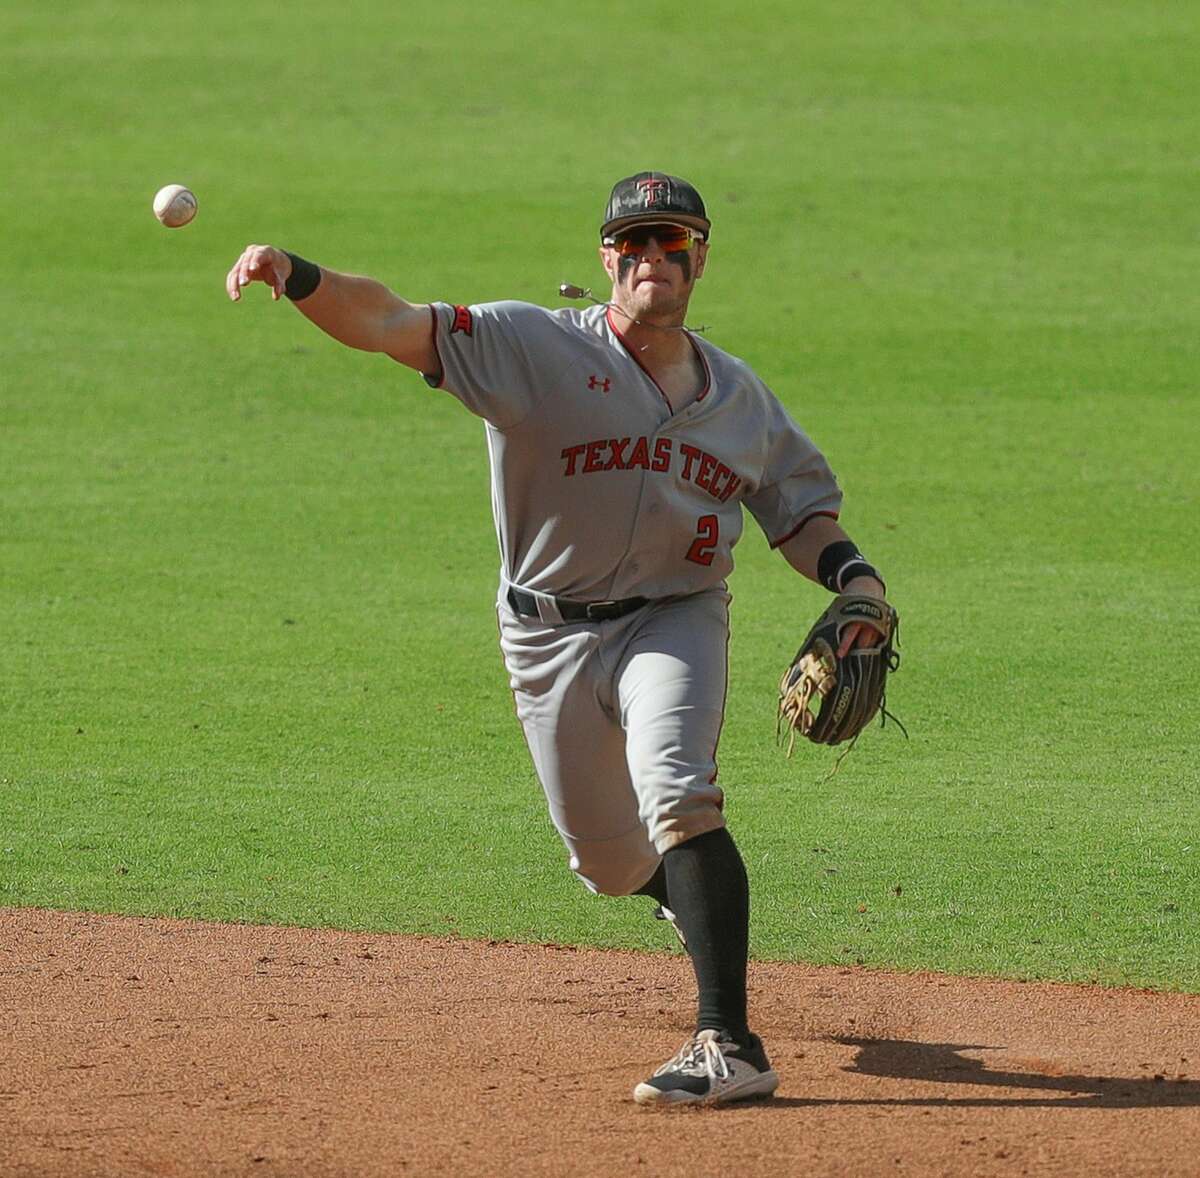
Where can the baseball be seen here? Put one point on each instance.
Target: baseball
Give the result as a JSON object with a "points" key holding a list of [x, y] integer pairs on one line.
{"points": [[174, 205]]}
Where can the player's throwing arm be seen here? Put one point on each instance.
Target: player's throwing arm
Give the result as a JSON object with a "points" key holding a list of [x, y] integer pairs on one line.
{"points": [[357, 311]]}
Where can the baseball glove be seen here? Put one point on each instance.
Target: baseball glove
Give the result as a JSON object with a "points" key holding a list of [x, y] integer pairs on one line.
{"points": [[830, 700]]}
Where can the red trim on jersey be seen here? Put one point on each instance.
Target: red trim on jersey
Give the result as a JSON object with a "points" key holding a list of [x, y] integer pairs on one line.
{"points": [[796, 530], [637, 360]]}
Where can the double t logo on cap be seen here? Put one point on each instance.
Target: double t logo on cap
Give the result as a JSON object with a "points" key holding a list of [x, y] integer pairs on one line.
{"points": [[653, 190]]}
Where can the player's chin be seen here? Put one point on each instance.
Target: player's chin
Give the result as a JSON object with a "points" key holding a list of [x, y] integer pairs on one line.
{"points": [[656, 297]]}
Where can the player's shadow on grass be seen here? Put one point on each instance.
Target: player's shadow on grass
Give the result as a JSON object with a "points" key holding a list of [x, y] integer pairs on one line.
{"points": [[944, 1063]]}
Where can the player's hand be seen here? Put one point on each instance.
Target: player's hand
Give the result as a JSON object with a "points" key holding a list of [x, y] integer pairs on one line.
{"points": [[861, 633], [259, 263]]}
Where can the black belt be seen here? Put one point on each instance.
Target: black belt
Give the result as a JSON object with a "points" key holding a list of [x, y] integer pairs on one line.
{"points": [[575, 611]]}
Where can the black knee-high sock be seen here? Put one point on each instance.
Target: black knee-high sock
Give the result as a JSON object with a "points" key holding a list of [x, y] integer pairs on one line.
{"points": [[709, 894]]}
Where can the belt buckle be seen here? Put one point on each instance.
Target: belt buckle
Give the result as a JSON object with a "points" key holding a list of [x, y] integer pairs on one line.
{"points": [[602, 611]]}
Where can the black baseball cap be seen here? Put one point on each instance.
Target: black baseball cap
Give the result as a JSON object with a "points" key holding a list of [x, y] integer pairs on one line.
{"points": [[650, 197]]}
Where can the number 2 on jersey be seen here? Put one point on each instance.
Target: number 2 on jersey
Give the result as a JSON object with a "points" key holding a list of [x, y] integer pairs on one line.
{"points": [[705, 544]]}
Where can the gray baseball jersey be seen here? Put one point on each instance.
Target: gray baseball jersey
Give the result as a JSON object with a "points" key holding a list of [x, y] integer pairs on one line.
{"points": [[601, 492]]}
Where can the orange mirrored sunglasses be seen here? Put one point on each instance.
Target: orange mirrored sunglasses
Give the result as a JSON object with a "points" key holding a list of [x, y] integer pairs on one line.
{"points": [[672, 239]]}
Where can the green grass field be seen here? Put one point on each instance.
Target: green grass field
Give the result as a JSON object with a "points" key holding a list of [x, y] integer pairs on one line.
{"points": [[250, 668]]}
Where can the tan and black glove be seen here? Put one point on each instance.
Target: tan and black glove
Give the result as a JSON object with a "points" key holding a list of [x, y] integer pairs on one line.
{"points": [[829, 699]]}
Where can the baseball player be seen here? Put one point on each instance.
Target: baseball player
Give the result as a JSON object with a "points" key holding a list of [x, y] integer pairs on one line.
{"points": [[622, 449]]}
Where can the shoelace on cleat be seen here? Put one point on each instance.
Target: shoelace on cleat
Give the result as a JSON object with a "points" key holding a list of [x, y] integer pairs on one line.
{"points": [[701, 1055]]}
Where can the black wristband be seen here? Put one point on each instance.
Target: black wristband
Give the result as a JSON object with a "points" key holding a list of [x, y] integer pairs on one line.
{"points": [[858, 568], [840, 562], [303, 280]]}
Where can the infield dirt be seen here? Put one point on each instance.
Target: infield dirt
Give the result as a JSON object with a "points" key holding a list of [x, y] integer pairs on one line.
{"points": [[137, 1046]]}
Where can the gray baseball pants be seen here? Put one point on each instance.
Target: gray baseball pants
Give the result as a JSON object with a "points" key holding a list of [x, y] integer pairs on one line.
{"points": [[622, 720]]}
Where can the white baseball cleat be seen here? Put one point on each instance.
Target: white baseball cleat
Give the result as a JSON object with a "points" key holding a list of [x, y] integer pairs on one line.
{"points": [[710, 1069]]}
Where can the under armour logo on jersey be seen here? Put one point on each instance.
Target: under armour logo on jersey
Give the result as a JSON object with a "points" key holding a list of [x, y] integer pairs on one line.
{"points": [[595, 382], [462, 321], [653, 191]]}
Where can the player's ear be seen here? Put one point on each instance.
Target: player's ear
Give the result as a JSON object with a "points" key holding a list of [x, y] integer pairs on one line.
{"points": [[606, 262], [701, 257]]}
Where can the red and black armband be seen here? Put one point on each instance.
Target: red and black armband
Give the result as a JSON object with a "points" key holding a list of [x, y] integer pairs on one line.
{"points": [[840, 562]]}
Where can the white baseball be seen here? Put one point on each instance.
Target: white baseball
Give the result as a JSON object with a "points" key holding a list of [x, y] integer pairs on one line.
{"points": [[175, 205]]}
